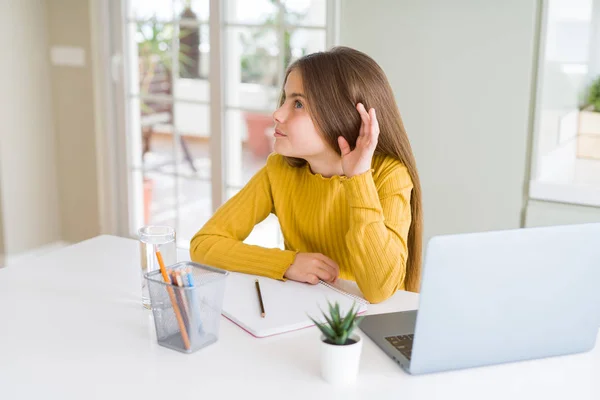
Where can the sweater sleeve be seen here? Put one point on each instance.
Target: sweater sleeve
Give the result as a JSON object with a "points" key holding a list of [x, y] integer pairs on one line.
{"points": [[378, 233], [219, 242]]}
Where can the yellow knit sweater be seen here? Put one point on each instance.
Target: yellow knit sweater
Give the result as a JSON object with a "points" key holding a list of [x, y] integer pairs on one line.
{"points": [[360, 222]]}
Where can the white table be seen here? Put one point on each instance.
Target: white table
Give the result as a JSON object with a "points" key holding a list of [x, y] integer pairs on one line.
{"points": [[72, 326]]}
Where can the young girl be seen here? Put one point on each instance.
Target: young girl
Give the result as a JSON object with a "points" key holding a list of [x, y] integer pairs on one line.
{"points": [[342, 182]]}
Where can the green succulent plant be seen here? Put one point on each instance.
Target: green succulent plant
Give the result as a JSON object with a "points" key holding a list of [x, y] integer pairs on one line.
{"points": [[338, 328]]}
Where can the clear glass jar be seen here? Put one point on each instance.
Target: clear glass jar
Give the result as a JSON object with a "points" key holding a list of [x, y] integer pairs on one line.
{"points": [[153, 238]]}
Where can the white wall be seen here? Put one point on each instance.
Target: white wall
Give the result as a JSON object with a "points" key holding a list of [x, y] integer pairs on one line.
{"points": [[74, 120], [461, 71], [27, 151]]}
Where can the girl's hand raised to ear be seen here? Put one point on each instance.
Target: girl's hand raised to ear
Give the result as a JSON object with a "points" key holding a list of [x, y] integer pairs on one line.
{"points": [[312, 267], [358, 161]]}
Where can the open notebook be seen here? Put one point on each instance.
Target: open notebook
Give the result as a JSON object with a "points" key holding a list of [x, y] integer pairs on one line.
{"points": [[287, 304]]}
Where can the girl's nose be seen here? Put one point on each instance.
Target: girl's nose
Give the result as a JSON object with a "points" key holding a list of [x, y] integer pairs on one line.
{"points": [[278, 115]]}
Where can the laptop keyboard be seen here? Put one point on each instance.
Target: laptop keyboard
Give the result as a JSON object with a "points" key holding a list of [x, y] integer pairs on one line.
{"points": [[402, 343]]}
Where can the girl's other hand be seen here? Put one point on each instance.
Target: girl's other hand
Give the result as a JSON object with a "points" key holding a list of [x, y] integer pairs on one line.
{"points": [[312, 267]]}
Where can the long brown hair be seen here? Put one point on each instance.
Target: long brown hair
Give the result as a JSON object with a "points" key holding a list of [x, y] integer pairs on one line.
{"points": [[334, 82]]}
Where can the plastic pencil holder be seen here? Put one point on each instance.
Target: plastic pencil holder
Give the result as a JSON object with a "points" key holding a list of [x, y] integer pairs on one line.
{"points": [[187, 318]]}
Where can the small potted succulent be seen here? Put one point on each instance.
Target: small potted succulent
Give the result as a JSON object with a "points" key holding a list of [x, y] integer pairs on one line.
{"points": [[340, 349]]}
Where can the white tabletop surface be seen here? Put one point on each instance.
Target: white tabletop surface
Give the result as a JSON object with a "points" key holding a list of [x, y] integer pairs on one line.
{"points": [[72, 327]]}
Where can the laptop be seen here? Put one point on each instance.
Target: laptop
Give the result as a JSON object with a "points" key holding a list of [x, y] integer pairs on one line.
{"points": [[497, 297]]}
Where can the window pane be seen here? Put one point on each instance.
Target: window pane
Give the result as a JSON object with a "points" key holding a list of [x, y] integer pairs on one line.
{"points": [[151, 126], [195, 208], [169, 10], [258, 54], [194, 48], [565, 75], [305, 12], [145, 9], [251, 68], [196, 10], [187, 155], [304, 41], [193, 155], [248, 142], [154, 199], [251, 12], [151, 56], [192, 119]]}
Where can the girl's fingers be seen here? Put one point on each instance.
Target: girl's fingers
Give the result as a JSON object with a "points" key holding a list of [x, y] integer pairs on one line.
{"points": [[373, 130], [325, 273], [329, 262], [312, 279], [374, 122], [344, 146], [364, 116]]}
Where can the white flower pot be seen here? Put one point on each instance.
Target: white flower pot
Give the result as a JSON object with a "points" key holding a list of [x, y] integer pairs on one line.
{"points": [[339, 364]]}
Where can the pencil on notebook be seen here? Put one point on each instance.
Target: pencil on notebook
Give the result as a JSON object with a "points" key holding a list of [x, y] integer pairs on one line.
{"points": [[260, 300], [163, 271]]}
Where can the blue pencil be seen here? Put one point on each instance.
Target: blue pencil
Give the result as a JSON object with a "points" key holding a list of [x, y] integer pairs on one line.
{"points": [[195, 307]]}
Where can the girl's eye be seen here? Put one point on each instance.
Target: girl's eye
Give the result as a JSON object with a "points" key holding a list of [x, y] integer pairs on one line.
{"points": [[298, 104]]}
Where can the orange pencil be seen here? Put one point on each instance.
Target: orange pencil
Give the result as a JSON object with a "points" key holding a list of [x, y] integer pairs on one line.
{"points": [[163, 271]]}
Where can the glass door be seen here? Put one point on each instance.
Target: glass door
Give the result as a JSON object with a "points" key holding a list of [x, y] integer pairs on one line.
{"points": [[201, 81]]}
